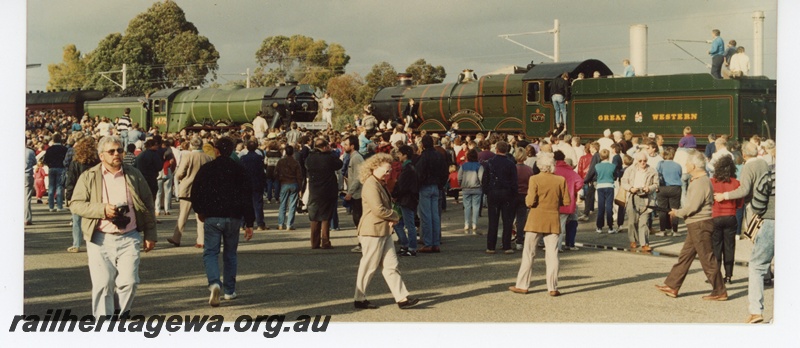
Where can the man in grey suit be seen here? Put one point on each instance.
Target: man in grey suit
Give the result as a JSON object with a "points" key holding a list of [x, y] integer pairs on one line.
{"points": [[190, 165]]}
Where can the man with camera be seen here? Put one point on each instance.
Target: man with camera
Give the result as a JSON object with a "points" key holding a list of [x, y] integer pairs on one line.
{"points": [[115, 204]]}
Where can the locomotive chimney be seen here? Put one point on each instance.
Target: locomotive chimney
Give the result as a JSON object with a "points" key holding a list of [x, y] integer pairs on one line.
{"points": [[404, 79]]}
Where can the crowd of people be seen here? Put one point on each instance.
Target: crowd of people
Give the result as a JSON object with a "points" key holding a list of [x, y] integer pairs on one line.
{"points": [[393, 179]]}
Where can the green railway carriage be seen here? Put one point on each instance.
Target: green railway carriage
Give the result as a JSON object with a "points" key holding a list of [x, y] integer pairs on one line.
{"points": [[114, 107], [667, 104]]}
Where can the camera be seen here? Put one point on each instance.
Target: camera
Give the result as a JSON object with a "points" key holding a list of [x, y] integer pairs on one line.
{"points": [[120, 219]]}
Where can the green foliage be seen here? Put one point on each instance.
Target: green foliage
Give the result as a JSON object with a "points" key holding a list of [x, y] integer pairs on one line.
{"points": [[161, 49], [344, 89], [299, 58], [381, 75], [424, 73], [70, 74]]}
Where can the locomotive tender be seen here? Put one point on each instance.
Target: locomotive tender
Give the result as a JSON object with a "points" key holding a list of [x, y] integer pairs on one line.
{"points": [[520, 103]]}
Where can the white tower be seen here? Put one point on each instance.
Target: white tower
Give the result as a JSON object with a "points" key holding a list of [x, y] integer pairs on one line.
{"points": [[638, 58], [758, 43]]}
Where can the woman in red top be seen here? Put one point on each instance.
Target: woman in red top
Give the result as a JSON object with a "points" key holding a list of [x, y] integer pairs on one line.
{"points": [[724, 214]]}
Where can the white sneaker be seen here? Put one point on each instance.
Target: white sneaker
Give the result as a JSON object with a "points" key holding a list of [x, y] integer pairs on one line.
{"points": [[466, 229], [519, 246], [356, 249], [612, 231], [599, 230], [213, 299], [231, 296]]}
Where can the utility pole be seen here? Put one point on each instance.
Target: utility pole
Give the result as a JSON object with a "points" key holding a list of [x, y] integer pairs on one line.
{"points": [[124, 72], [556, 57]]}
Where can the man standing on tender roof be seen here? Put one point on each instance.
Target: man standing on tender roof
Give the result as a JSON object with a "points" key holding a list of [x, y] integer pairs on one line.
{"points": [[716, 52], [628, 72], [115, 205]]}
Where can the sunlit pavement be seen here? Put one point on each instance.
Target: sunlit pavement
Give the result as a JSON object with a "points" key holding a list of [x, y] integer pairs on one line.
{"points": [[280, 274]]}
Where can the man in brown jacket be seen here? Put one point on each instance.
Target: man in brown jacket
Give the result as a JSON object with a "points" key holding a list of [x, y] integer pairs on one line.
{"points": [[190, 165], [546, 193]]}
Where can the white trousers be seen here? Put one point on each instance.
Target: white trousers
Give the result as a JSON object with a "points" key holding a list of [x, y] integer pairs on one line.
{"points": [[550, 258], [376, 252], [114, 270]]}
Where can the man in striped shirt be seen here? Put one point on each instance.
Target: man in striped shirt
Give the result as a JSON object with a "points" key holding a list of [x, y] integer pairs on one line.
{"points": [[123, 125]]}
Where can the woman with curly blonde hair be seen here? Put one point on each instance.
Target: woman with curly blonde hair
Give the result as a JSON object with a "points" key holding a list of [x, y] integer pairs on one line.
{"points": [[85, 157], [375, 234]]}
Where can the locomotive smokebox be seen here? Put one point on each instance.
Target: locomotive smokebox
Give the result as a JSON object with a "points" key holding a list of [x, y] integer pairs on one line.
{"points": [[404, 80]]}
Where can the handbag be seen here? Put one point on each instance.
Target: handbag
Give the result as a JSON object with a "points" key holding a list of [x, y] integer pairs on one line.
{"points": [[753, 227], [621, 198]]}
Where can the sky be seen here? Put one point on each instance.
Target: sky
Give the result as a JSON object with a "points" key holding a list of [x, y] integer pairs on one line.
{"points": [[454, 34]]}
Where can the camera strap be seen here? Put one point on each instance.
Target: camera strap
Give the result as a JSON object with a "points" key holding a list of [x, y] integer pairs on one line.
{"points": [[105, 188]]}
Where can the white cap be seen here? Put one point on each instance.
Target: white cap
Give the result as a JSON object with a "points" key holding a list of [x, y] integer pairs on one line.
{"points": [[651, 135], [606, 133]]}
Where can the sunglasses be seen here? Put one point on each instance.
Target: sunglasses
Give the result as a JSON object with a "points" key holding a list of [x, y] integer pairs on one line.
{"points": [[642, 161], [117, 150]]}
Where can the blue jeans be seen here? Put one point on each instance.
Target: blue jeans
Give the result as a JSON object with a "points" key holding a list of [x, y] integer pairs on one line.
{"points": [[77, 234], [258, 206], [560, 108], [605, 206], [334, 221], [272, 188], [223, 231], [429, 220], [763, 251], [56, 182], [406, 223], [288, 199], [123, 136], [472, 205]]}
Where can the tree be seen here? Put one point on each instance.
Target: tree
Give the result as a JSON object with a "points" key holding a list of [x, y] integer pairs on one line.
{"points": [[381, 75], [424, 73], [299, 58], [161, 50], [70, 74]]}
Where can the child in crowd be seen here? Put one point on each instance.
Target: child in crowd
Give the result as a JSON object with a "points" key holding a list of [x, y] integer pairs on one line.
{"points": [[38, 180], [452, 182]]}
